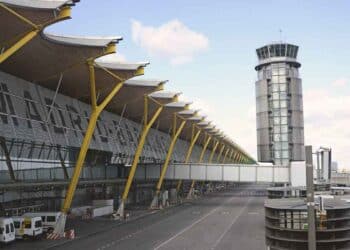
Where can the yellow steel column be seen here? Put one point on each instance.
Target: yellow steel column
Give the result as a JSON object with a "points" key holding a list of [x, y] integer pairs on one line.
{"points": [[230, 157], [176, 134], [200, 161], [240, 159], [235, 157], [147, 125], [225, 156], [194, 138], [96, 111], [64, 13], [220, 153], [213, 152]]}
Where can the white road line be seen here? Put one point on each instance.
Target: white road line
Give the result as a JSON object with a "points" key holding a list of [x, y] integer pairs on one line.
{"points": [[126, 237], [231, 224], [193, 224]]}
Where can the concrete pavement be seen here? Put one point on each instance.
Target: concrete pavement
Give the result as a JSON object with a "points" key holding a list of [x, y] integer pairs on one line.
{"points": [[223, 220], [220, 221]]}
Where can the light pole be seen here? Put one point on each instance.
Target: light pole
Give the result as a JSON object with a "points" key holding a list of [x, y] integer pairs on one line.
{"points": [[310, 199]]}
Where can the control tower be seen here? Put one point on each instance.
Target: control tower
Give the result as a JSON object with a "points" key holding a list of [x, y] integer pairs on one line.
{"points": [[279, 105]]}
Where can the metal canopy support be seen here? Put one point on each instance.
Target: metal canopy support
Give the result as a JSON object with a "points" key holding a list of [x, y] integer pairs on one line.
{"points": [[8, 158], [63, 165], [230, 156], [213, 152], [194, 138], [147, 124], [225, 156], [95, 112], [236, 157], [220, 153], [64, 13], [175, 134], [207, 140]]}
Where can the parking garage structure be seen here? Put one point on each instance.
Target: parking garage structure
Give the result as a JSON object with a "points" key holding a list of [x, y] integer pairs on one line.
{"points": [[286, 224]]}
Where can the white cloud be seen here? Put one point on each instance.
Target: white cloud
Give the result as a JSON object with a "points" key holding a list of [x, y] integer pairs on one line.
{"points": [[340, 82], [173, 41], [204, 107], [327, 117]]}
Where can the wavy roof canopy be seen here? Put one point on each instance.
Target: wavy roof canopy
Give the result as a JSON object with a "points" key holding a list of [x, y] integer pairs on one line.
{"points": [[37, 12], [129, 101], [166, 118]]}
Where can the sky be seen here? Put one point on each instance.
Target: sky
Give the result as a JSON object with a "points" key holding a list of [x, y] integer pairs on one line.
{"points": [[206, 49]]}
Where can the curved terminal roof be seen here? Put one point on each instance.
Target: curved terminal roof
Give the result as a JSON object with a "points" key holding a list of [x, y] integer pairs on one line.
{"points": [[61, 61], [188, 112], [129, 100], [191, 121], [39, 4], [166, 118], [37, 12]]}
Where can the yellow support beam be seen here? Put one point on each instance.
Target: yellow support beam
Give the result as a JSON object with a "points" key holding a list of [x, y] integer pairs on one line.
{"points": [[213, 152], [194, 138], [204, 149], [19, 44], [230, 157], [176, 133], [235, 157], [220, 153], [64, 13], [200, 160], [96, 111], [147, 126], [240, 159], [225, 156]]}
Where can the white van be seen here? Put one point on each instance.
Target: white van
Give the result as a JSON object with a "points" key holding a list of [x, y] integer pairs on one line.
{"points": [[28, 226], [48, 219], [7, 230]]}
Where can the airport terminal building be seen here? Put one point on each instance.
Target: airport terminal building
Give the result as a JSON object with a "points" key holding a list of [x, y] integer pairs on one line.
{"points": [[66, 114]]}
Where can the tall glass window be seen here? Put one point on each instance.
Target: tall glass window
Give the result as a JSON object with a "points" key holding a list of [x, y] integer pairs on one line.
{"points": [[279, 115]]}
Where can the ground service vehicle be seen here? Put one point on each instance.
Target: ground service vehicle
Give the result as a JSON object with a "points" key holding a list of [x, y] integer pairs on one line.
{"points": [[49, 219], [28, 226], [7, 230]]}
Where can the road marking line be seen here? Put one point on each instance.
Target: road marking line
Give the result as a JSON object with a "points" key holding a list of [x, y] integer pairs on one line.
{"points": [[229, 227], [253, 213], [193, 224], [126, 237]]}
